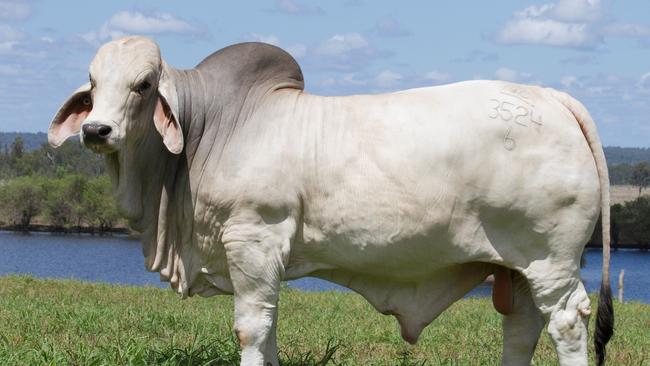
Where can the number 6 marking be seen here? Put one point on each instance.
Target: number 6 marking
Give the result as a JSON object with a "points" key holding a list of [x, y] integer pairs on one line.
{"points": [[509, 142]]}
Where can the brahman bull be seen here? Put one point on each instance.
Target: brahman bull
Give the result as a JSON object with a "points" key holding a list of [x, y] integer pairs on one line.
{"points": [[238, 180]]}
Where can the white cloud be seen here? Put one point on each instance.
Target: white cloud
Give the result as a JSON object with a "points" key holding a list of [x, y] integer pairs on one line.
{"points": [[389, 27], [137, 22], [352, 79], [565, 10], [296, 7], [600, 85], [577, 10], [343, 52], [534, 11], [566, 23], [387, 79], [507, 74], [568, 81], [125, 22], [599, 90], [10, 34], [342, 44], [11, 9], [23, 49], [548, 32], [644, 83]]}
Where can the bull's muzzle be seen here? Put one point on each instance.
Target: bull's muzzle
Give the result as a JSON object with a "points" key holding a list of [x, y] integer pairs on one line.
{"points": [[95, 133]]}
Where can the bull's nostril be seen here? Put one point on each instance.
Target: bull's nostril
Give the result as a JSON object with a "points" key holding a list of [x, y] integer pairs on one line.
{"points": [[104, 131], [89, 129], [95, 133]]}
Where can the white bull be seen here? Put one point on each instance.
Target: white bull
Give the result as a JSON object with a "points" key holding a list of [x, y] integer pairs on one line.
{"points": [[410, 199]]}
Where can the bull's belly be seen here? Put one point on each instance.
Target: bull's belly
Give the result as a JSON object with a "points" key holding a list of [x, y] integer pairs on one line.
{"points": [[401, 257]]}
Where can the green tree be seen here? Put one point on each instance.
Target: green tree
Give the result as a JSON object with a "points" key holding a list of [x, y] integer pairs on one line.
{"points": [[641, 176], [620, 173], [21, 199], [99, 205], [17, 148], [57, 207], [634, 221], [64, 200]]}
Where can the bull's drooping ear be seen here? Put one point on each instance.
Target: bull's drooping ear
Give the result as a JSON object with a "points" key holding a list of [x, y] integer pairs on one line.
{"points": [[165, 116], [67, 121]]}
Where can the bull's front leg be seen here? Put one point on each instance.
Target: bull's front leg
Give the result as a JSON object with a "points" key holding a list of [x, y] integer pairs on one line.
{"points": [[256, 253]]}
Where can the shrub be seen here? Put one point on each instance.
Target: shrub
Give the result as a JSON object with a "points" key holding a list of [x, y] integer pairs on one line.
{"points": [[634, 221], [99, 205], [21, 199]]}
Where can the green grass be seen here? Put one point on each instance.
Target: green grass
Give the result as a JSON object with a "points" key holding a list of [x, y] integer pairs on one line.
{"points": [[54, 322]]}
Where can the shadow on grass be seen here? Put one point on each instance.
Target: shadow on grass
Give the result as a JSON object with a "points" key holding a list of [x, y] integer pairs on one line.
{"points": [[214, 353], [309, 358], [226, 353]]}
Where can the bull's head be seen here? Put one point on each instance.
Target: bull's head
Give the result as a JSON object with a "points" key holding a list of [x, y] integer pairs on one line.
{"points": [[130, 92], [127, 90]]}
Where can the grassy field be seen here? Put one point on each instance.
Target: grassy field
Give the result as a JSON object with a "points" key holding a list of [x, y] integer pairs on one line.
{"points": [[54, 322]]}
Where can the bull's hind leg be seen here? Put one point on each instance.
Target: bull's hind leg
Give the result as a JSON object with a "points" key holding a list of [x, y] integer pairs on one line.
{"points": [[561, 297], [522, 326]]}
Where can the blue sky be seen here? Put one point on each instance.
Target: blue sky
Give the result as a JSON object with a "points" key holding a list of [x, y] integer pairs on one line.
{"points": [[597, 50]]}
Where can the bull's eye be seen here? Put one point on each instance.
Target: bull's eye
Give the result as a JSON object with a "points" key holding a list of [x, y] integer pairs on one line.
{"points": [[143, 87]]}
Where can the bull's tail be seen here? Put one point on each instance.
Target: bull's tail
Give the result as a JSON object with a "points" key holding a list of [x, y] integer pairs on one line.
{"points": [[605, 316]]}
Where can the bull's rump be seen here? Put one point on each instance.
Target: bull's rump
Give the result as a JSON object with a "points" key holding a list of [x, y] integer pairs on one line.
{"points": [[426, 178]]}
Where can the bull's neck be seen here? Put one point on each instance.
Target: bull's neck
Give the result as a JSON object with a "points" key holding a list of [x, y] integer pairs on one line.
{"points": [[167, 182]]}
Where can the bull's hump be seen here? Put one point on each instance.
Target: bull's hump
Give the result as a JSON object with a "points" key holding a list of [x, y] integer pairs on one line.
{"points": [[254, 63]]}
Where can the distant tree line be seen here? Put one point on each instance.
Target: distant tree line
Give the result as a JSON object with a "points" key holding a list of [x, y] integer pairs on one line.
{"points": [[626, 155], [16, 160], [65, 189], [629, 225], [30, 140], [633, 174]]}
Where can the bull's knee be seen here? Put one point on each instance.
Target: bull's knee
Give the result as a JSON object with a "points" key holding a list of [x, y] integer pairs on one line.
{"points": [[253, 333], [243, 337]]}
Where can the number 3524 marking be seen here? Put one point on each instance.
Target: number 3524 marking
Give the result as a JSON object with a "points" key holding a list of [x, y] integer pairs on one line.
{"points": [[508, 111]]}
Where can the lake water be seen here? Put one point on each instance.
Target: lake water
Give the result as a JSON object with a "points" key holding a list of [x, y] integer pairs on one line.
{"points": [[119, 260]]}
